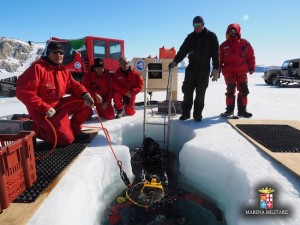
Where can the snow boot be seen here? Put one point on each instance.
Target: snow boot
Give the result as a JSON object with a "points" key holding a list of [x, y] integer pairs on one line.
{"points": [[184, 117], [244, 113], [119, 114], [82, 136], [198, 119], [229, 111], [226, 113]]}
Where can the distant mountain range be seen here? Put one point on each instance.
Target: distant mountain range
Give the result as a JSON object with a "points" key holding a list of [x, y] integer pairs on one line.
{"points": [[17, 55]]}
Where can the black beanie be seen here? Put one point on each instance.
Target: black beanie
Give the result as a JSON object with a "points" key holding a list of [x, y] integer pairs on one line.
{"points": [[98, 62], [198, 19], [53, 45]]}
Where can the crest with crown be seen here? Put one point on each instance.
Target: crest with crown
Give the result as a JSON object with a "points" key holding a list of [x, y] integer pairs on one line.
{"points": [[266, 190]]}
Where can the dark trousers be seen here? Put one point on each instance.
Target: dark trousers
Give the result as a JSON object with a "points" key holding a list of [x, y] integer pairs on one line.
{"points": [[197, 80]]}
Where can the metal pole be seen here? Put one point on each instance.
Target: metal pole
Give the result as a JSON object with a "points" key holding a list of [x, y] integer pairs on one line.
{"points": [[145, 103], [170, 101]]}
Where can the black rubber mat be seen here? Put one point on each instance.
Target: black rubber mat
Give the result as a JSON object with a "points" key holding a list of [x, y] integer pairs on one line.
{"points": [[51, 167], [276, 138]]}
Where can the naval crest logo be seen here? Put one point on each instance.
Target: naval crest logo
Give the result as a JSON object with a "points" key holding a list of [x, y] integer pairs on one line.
{"points": [[266, 204], [266, 198]]}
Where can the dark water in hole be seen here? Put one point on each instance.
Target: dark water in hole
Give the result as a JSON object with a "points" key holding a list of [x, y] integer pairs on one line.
{"points": [[178, 207]]}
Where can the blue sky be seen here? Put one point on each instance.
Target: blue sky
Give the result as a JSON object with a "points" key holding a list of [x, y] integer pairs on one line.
{"points": [[272, 27]]}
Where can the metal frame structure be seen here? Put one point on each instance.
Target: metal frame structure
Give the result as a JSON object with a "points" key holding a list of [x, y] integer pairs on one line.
{"points": [[166, 118]]}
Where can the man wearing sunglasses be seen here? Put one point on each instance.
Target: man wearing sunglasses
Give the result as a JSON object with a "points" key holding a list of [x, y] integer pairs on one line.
{"points": [[201, 46], [43, 88], [236, 60]]}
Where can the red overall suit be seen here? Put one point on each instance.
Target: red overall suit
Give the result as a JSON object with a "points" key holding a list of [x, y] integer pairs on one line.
{"points": [[122, 84], [101, 85], [236, 60], [43, 86]]}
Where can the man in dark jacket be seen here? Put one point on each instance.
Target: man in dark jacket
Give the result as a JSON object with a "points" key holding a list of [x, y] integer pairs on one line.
{"points": [[201, 46], [43, 88]]}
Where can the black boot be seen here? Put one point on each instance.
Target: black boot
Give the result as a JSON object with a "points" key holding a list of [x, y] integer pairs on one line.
{"points": [[229, 111], [82, 137], [244, 113], [184, 117], [119, 114]]}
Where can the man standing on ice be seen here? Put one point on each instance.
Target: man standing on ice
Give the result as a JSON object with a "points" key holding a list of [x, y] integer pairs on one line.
{"points": [[236, 60], [201, 46], [43, 88]]}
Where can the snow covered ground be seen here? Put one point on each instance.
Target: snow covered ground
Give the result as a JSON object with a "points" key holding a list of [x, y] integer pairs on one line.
{"points": [[214, 158]]}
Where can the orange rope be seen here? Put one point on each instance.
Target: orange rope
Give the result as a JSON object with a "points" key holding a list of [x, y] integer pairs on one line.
{"points": [[107, 137], [119, 163], [54, 133], [90, 126]]}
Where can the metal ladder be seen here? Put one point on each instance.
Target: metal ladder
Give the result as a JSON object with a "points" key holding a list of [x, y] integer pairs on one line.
{"points": [[162, 119]]}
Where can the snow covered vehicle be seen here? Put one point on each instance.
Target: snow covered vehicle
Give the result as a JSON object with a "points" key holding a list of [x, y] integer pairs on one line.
{"points": [[80, 53], [289, 72], [270, 76]]}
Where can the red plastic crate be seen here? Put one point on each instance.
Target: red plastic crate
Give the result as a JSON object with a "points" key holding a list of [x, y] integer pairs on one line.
{"points": [[16, 151], [28, 159], [12, 181]]}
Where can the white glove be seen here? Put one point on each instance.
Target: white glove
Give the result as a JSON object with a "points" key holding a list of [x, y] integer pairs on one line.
{"points": [[88, 100], [215, 75], [99, 99], [172, 65], [51, 112]]}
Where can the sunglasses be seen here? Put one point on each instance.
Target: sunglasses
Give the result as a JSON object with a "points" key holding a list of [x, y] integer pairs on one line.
{"points": [[55, 52], [124, 63], [198, 24], [232, 30]]}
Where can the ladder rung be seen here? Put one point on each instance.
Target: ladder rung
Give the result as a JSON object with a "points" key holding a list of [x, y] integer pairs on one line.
{"points": [[165, 124], [155, 89]]}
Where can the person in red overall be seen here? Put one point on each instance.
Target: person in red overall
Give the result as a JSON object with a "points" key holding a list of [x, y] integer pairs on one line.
{"points": [[127, 83], [236, 60], [43, 88], [98, 83]]}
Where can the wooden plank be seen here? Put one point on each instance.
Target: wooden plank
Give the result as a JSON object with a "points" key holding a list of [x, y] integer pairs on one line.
{"points": [[290, 160], [21, 213]]}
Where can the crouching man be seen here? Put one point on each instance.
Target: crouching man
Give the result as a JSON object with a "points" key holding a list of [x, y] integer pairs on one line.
{"points": [[127, 83], [43, 88], [98, 83]]}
